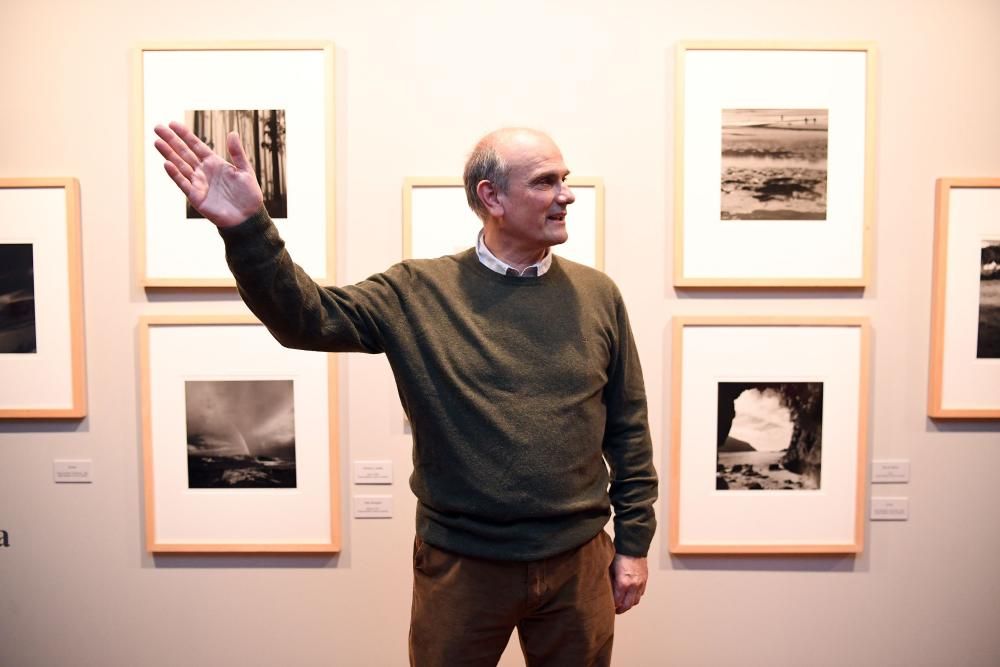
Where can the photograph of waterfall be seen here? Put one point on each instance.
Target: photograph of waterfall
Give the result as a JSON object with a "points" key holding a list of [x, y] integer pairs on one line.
{"points": [[240, 434]]}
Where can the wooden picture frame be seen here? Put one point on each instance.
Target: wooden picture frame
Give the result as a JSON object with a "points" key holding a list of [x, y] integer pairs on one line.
{"points": [[42, 355], [774, 164], [239, 438], [965, 312], [768, 447], [437, 220], [220, 86]]}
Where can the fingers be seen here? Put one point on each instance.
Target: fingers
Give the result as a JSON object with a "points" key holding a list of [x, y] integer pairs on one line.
{"points": [[197, 146], [626, 598], [619, 600], [236, 153], [175, 151], [173, 161], [182, 181]]}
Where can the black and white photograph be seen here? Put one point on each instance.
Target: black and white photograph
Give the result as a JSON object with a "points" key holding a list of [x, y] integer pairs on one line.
{"points": [[988, 341], [774, 164], [769, 436], [17, 299], [263, 135], [240, 434]]}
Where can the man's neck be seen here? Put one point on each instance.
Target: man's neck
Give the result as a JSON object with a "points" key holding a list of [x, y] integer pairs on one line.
{"points": [[515, 258]]}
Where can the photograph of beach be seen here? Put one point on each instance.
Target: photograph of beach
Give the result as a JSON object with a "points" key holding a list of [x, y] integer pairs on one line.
{"points": [[263, 134], [769, 436], [17, 299], [774, 164], [988, 340], [240, 434]]}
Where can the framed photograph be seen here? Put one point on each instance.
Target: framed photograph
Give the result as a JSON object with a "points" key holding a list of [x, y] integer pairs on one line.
{"points": [[239, 439], [41, 300], [437, 220], [279, 98], [774, 165], [769, 429], [965, 320]]}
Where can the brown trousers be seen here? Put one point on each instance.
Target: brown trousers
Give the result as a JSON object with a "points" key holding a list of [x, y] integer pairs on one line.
{"points": [[464, 609]]}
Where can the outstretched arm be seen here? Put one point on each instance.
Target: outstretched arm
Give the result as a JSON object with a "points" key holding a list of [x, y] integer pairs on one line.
{"points": [[227, 194], [297, 311]]}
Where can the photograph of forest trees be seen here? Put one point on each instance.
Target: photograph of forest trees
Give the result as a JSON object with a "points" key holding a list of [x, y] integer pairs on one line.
{"points": [[263, 136]]}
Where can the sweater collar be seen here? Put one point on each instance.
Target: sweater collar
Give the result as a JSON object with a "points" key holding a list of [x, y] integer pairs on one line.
{"points": [[494, 263]]}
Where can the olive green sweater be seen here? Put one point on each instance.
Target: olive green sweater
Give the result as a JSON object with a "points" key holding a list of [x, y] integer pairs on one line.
{"points": [[517, 390]]}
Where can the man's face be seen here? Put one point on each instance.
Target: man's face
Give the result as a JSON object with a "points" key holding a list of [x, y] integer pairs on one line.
{"points": [[534, 206]]}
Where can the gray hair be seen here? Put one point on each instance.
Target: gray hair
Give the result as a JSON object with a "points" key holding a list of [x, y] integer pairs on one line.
{"points": [[484, 164]]}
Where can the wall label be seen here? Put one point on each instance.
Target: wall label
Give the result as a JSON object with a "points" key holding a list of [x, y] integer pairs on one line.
{"points": [[373, 472], [890, 472], [72, 472], [890, 509], [373, 507]]}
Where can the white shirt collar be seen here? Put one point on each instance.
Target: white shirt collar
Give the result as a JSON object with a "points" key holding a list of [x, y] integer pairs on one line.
{"points": [[494, 263]]}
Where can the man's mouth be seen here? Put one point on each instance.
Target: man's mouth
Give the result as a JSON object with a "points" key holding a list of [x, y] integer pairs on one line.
{"points": [[559, 217]]}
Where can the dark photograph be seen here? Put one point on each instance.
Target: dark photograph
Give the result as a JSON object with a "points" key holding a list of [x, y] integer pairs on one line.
{"points": [[769, 436], [17, 299], [263, 134], [240, 434], [988, 344], [774, 164]]}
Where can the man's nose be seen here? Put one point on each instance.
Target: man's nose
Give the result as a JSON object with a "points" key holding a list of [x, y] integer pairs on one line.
{"points": [[566, 195]]}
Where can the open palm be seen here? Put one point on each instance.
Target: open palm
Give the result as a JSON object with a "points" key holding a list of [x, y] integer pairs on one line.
{"points": [[227, 194]]}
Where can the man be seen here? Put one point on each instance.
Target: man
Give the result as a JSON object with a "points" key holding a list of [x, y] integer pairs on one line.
{"points": [[519, 375]]}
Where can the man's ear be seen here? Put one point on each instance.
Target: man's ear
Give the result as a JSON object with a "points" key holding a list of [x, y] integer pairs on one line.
{"points": [[490, 196]]}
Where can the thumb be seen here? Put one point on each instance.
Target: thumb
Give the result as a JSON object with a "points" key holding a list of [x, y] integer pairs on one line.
{"points": [[236, 153]]}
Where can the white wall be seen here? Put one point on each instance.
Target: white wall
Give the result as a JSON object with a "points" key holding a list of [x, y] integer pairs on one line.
{"points": [[417, 84]]}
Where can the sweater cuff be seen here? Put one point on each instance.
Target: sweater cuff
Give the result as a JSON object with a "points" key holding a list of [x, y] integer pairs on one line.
{"points": [[254, 240], [637, 548]]}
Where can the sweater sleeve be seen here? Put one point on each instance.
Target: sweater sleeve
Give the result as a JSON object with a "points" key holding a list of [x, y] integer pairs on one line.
{"points": [[628, 446], [298, 312]]}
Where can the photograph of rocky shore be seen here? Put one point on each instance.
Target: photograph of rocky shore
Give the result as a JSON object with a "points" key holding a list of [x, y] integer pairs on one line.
{"points": [[240, 434], [769, 436], [774, 164], [988, 339]]}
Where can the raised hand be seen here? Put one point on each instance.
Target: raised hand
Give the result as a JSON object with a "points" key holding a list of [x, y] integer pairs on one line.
{"points": [[227, 194]]}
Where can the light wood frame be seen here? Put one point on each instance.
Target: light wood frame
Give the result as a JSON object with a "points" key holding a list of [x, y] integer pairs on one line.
{"points": [[576, 182], [952, 371], [157, 544], [146, 162], [850, 519], [68, 308], [767, 278]]}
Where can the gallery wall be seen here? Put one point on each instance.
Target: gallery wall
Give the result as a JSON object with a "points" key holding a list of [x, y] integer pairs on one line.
{"points": [[416, 85]]}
